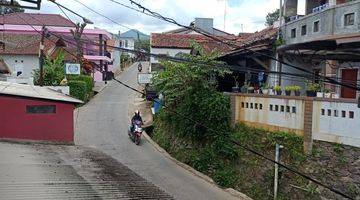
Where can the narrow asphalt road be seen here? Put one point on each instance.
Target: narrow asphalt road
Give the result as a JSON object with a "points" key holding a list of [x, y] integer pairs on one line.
{"points": [[103, 124], [43, 172]]}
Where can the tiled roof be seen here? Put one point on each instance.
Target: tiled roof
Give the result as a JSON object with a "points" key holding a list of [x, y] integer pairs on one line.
{"points": [[258, 37], [182, 41], [255, 41], [36, 19], [23, 44]]}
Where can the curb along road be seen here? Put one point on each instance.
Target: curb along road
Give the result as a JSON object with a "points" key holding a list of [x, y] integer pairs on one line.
{"points": [[146, 112]]}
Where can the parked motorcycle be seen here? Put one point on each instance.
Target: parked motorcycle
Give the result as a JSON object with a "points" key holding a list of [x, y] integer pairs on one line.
{"points": [[135, 134], [140, 67]]}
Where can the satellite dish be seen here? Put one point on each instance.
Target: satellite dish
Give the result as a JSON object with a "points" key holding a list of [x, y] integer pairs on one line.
{"points": [[26, 4]]}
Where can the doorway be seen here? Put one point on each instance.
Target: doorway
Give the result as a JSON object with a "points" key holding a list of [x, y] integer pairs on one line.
{"points": [[349, 77]]}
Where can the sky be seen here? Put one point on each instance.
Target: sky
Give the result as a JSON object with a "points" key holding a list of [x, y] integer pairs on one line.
{"points": [[241, 15]]}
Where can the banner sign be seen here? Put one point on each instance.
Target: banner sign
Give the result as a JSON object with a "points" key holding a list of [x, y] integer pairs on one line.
{"points": [[144, 78], [72, 68]]}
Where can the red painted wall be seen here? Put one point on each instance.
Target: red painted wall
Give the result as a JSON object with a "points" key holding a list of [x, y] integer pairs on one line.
{"points": [[16, 123]]}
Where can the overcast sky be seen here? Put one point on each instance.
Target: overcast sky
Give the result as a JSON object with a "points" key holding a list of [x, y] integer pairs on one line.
{"points": [[242, 15]]}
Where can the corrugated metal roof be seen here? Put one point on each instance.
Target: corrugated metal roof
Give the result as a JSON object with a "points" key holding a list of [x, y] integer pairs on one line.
{"points": [[32, 91]]}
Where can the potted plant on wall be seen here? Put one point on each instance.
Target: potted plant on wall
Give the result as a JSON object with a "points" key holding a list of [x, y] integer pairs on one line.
{"points": [[265, 89], [244, 88], [277, 89], [251, 89], [312, 89], [327, 93], [296, 90], [288, 90]]}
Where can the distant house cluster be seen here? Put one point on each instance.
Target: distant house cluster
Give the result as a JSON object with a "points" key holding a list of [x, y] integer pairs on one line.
{"points": [[317, 57], [21, 45]]}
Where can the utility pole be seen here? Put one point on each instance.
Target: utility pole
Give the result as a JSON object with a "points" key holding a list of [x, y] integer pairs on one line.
{"points": [[278, 64], [276, 177], [101, 53], [42, 57]]}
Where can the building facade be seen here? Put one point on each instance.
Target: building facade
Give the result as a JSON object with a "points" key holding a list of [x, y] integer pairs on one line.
{"points": [[177, 42], [22, 41], [326, 39], [36, 113]]}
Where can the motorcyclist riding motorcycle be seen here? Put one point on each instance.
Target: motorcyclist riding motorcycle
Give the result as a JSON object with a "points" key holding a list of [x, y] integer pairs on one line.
{"points": [[135, 118], [139, 67]]}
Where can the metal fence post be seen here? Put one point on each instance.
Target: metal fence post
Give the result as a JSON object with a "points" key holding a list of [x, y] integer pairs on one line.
{"points": [[276, 177]]}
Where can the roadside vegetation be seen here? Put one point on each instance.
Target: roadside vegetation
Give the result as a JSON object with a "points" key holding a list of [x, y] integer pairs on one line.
{"points": [[81, 86], [195, 129]]}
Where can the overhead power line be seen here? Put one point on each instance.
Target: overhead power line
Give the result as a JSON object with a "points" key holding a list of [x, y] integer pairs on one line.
{"points": [[245, 147], [178, 59], [231, 44], [154, 14], [102, 15], [235, 142]]}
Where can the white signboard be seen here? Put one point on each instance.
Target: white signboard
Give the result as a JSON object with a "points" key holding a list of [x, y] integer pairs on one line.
{"points": [[144, 78], [72, 68]]}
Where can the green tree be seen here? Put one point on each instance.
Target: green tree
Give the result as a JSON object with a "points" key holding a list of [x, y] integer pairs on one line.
{"points": [[142, 44], [190, 89], [7, 9], [54, 71], [272, 17]]}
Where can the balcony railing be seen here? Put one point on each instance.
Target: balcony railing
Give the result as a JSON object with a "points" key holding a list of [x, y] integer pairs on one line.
{"points": [[325, 21], [320, 8]]}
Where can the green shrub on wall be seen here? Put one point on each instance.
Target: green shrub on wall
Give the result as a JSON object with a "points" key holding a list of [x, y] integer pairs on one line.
{"points": [[89, 82], [78, 90], [87, 79]]}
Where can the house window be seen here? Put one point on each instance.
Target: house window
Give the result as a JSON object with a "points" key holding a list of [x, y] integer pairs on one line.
{"points": [[293, 33], [247, 105], [282, 108], [336, 113], [261, 106], [343, 113], [316, 26], [41, 109], [329, 112], [303, 30], [349, 19], [256, 106], [276, 108], [242, 104], [293, 109], [271, 107], [288, 109], [351, 114]]}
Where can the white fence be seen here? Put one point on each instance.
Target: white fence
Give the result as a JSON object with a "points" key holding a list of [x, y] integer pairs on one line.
{"points": [[331, 120], [336, 122]]}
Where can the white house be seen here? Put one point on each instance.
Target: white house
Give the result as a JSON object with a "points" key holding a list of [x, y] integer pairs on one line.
{"points": [[178, 41]]}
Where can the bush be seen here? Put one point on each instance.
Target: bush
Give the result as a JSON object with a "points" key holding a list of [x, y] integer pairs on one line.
{"points": [[87, 79], [78, 89], [226, 177], [89, 82], [54, 71]]}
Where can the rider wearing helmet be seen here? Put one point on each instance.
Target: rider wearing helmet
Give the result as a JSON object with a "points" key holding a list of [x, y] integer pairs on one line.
{"points": [[136, 117]]}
